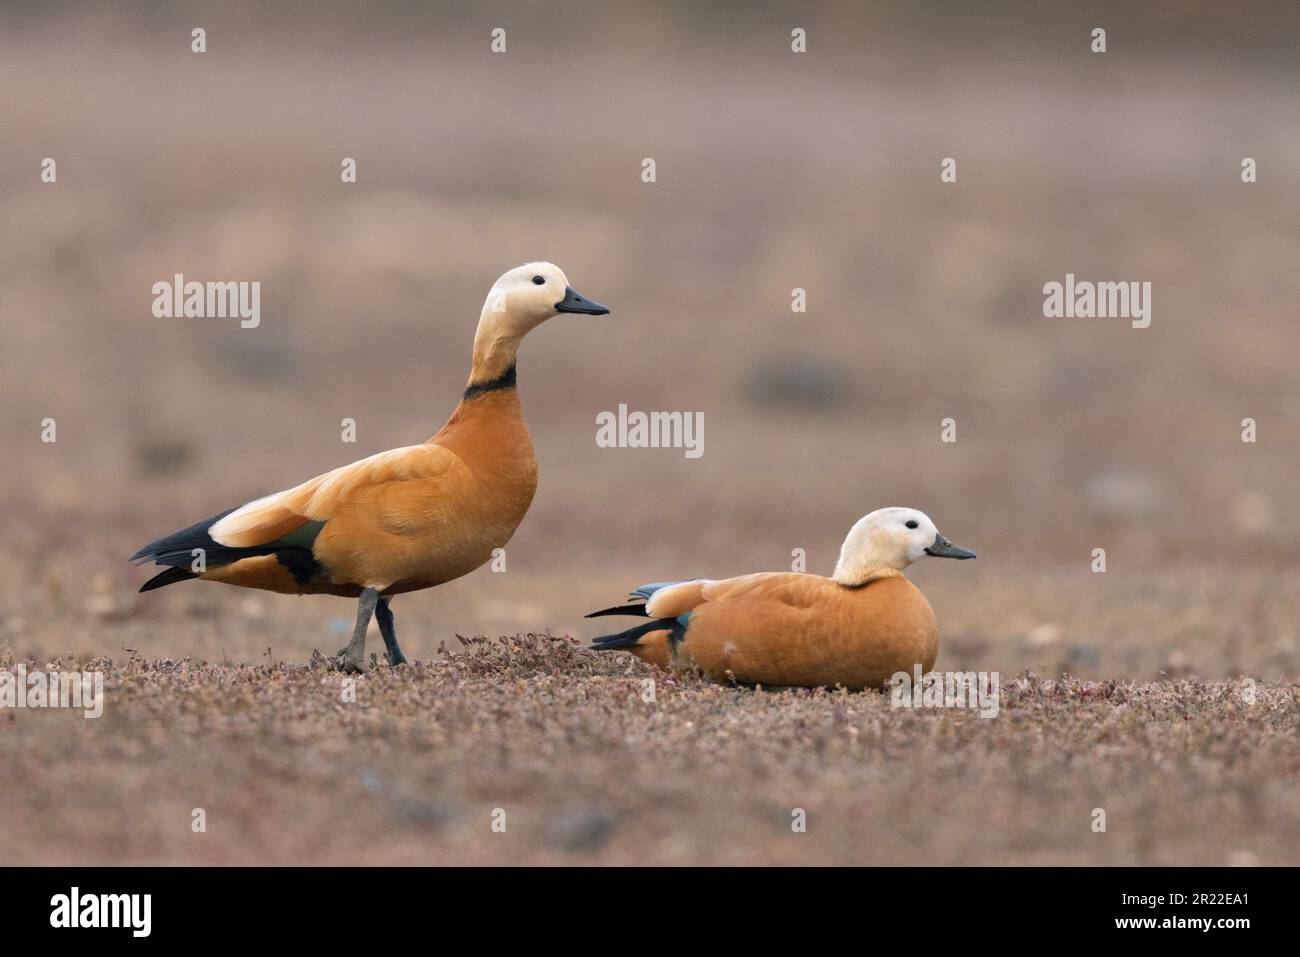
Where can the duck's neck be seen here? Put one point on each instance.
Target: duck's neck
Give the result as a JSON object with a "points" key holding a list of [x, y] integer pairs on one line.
{"points": [[495, 352], [859, 570], [489, 416]]}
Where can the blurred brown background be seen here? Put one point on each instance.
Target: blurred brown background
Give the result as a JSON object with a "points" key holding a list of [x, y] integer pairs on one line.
{"points": [[775, 171]]}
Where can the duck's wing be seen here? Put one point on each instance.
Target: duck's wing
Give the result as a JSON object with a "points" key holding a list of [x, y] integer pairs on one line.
{"points": [[287, 523], [672, 607], [321, 498], [653, 640], [676, 598], [639, 599], [670, 599]]}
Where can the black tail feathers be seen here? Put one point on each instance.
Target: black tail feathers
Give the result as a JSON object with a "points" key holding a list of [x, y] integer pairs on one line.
{"points": [[626, 639], [637, 608], [181, 548], [170, 577]]}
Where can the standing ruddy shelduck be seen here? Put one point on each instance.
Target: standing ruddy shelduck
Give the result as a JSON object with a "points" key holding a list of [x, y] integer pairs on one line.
{"points": [[782, 628], [401, 520]]}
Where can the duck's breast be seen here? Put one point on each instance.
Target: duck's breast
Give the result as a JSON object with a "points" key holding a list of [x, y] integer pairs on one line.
{"points": [[892, 629], [427, 531]]}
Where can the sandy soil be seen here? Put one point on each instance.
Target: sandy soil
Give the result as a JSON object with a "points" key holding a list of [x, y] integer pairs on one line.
{"points": [[561, 746]]}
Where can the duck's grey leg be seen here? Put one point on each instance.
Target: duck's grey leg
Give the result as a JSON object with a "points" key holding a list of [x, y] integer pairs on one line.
{"points": [[384, 615], [354, 655]]}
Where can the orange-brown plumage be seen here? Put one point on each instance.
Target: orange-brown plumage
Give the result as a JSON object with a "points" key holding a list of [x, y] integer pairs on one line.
{"points": [[783, 628], [401, 520], [855, 630], [405, 519]]}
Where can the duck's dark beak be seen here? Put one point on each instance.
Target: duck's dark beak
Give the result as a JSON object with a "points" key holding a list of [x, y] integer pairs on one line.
{"points": [[575, 301], [942, 548]]}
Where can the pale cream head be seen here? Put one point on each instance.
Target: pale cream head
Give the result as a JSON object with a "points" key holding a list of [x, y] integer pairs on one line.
{"points": [[528, 295], [887, 541], [518, 302]]}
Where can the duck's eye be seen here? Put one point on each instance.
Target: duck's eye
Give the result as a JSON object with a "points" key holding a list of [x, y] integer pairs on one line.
{"points": [[911, 523], [538, 280]]}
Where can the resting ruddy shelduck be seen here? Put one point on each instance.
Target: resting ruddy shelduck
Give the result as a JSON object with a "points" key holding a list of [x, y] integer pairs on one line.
{"points": [[855, 629], [401, 520]]}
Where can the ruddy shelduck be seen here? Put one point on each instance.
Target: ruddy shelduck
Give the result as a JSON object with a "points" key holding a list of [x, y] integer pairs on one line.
{"points": [[401, 520], [855, 630]]}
